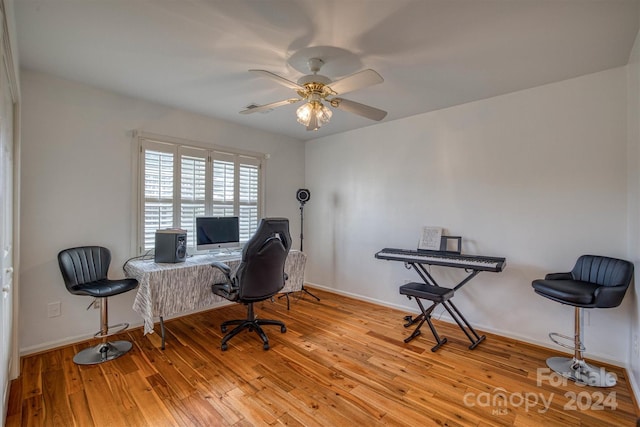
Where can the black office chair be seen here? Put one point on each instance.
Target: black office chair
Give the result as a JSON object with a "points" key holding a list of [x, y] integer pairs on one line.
{"points": [[259, 276], [84, 270], [594, 282]]}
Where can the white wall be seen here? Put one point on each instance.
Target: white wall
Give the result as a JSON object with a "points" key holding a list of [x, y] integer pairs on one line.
{"points": [[538, 176], [633, 130], [77, 190]]}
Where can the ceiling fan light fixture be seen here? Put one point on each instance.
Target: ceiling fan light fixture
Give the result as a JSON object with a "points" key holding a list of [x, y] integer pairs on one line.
{"points": [[313, 115], [313, 89], [324, 114], [304, 113]]}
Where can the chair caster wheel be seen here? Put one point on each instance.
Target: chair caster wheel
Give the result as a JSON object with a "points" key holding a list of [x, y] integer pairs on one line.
{"points": [[283, 329], [224, 347], [265, 346], [223, 329]]}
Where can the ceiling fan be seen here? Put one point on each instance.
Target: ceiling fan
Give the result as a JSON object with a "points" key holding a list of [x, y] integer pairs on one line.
{"points": [[315, 88]]}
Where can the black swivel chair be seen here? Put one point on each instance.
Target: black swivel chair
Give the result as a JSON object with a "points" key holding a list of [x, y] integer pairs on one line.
{"points": [[259, 276], [84, 270], [594, 282]]}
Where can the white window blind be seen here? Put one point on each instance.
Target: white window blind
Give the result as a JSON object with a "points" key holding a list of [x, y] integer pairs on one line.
{"points": [[224, 178], [181, 182], [193, 179], [236, 189], [158, 193], [248, 199]]}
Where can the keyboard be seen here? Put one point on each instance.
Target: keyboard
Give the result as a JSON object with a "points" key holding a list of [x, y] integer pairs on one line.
{"points": [[446, 259]]}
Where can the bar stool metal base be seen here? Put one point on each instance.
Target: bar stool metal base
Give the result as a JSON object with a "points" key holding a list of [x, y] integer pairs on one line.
{"points": [[102, 352], [581, 372], [106, 350], [576, 368]]}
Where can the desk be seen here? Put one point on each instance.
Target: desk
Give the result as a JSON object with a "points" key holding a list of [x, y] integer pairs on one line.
{"points": [[167, 289]]}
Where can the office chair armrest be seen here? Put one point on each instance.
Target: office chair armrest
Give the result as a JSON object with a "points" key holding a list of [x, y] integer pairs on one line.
{"points": [[222, 267], [558, 276], [610, 296], [228, 289]]}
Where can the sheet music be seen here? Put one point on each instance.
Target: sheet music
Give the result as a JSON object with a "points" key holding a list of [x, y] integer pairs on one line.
{"points": [[430, 239]]}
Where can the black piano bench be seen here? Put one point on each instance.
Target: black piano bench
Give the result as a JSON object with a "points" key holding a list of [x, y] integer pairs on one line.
{"points": [[420, 291]]}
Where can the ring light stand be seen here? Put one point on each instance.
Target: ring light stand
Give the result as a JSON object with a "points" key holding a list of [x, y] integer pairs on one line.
{"points": [[301, 224], [303, 195]]}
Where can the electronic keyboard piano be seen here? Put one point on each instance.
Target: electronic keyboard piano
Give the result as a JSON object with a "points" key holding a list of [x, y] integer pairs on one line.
{"points": [[443, 258], [430, 290]]}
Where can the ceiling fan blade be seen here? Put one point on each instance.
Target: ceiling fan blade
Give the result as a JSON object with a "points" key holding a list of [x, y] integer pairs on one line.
{"points": [[271, 106], [277, 78], [356, 81], [360, 109]]}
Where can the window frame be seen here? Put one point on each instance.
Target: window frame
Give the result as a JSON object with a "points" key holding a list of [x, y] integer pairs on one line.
{"points": [[178, 147]]}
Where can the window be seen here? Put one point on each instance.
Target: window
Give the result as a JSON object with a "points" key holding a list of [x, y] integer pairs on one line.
{"points": [[180, 181]]}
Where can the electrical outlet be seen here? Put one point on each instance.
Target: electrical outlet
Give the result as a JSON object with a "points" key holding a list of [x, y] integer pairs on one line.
{"points": [[96, 304], [636, 346], [53, 309]]}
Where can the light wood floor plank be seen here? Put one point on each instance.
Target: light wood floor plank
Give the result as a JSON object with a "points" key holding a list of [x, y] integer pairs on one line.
{"points": [[342, 362]]}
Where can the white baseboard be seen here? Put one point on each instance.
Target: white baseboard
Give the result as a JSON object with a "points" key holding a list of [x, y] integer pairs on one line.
{"points": [[49, 345], [635, 387], [25, 351], [444, 316]]}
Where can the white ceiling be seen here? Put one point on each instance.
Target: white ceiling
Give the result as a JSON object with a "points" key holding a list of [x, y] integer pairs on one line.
{"points": [[194, 54]]}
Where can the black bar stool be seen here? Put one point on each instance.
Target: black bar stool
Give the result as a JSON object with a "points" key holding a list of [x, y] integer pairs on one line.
{"points": [[84, 270], [594, 282]]}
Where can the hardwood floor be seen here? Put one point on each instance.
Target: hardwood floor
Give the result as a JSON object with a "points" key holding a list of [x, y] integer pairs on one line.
{"points": [[341, 362]]}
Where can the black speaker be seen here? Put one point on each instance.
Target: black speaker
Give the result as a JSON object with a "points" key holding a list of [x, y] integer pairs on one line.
{"points": [[303, 195], [171, 246]]}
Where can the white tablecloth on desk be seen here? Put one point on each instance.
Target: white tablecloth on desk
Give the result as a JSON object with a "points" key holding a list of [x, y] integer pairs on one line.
{"points": [[167, 289]]}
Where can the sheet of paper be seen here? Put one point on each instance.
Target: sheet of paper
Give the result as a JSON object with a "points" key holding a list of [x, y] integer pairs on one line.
{"points": [[430, 239]]}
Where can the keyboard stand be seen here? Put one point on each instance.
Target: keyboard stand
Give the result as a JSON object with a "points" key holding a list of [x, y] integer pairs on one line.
{"points": [[430, 290]]}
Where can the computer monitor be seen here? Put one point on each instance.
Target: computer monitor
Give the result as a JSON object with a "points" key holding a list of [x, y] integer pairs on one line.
{"points": [[215, 232]]}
